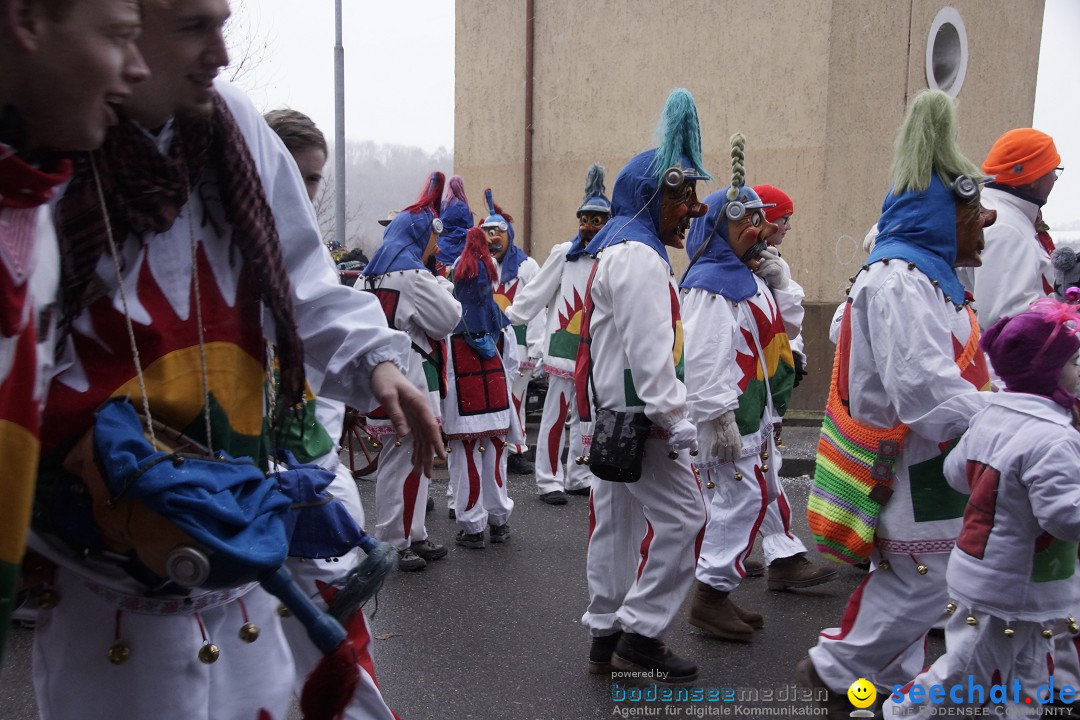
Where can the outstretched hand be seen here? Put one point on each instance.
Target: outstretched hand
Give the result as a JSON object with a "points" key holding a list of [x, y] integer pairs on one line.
{"points": [[408, 410]]}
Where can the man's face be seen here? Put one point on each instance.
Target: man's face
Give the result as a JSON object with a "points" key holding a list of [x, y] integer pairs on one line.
{"points": [[78, 68], [184, 45], [971, 218], [749, 235], [1040, 189], [589, 223], [678, 206], [310, 160], [783, 224], [498, 242]]}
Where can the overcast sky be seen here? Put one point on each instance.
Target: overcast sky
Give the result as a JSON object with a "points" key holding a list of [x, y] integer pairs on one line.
{"points": [[399, 73]]}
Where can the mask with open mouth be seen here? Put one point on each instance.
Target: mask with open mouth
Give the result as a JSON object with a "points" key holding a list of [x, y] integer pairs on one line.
{"points": [[678, 206]]}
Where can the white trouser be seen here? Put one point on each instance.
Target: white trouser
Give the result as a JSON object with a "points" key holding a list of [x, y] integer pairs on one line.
{"points": [[884, 625], [643, 546], [478, 477], [777, 539], [558, 405], [981, 655], [163, 678], [519, 385], [400, 495], [736, 511]]}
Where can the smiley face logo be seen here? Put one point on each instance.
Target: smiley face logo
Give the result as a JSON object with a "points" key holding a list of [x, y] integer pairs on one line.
{"points": [[862, 694]]}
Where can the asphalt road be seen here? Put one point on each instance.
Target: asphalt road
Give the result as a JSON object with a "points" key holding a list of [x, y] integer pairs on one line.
{"points": [[495, 634]]}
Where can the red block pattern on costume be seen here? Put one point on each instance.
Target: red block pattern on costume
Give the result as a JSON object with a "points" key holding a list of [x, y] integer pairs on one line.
{"points": [[481, 382]]}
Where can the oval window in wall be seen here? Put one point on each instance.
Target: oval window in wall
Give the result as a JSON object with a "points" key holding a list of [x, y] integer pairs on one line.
{"points": [[947, 52]]}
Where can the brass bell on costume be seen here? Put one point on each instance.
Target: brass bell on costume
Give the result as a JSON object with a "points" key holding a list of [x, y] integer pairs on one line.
{"points": [[738, 476], [1047, 633], [482, 448], [1073, 627], [209, 653], [921, 569], [1009, 632], [764, 468], [971, 621], [884, 565], [710, 485], [765, 455], [580, 460], [950, 608], [397, 443], [283, 611], [118, 653], [249, 633], [47, 599]]}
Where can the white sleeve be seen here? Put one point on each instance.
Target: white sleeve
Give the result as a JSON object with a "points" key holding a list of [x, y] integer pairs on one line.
{"points": [[912, 350], [789, 302], [709, 331], [343, 330], [437, 310], [541, 289], [834, 324], [1010, 278], [643, 301], [1052, 488]]}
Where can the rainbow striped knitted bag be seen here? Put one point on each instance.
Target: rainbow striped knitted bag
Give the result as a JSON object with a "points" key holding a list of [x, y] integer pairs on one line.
{"points": [[854, 472]]}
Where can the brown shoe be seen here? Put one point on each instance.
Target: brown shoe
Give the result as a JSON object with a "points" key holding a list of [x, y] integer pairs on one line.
{"points": [[753, 568], [835, 704], [797, 572], [713, 612], [753, 619]]}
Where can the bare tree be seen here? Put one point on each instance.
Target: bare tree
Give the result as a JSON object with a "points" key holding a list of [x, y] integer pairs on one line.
{"points": [[249, 44]]}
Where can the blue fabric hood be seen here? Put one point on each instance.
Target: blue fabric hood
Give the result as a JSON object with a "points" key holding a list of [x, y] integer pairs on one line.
{"points": [[635, 208], [457, 219], [479, 311], [718, 270], [920, 228], [403, 243]]}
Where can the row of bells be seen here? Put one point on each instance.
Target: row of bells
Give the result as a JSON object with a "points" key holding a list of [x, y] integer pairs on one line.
{"points": [[397, 443], [119, 652], [1047, 633]]}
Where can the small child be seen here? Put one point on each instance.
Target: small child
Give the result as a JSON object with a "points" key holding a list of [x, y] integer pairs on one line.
{"points": [[1010, 575]]}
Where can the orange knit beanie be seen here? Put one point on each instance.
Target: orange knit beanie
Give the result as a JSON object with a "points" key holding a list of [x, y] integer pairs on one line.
{"points": [[1021, 156]]}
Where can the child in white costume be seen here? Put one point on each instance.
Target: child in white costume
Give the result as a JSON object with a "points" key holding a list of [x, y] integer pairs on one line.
{"points": [[477, 414], [1011, 573], [560, 286], [422, 305]]}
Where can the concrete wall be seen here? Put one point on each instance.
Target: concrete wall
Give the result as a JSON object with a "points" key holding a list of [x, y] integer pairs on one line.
{"points": [[818, 87]]}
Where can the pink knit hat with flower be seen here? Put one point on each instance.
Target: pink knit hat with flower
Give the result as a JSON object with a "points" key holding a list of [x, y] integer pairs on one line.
{"points": [[1029, 350]]}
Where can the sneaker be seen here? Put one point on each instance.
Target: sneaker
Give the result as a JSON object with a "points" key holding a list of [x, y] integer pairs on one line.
{"points": [[519, 465], [430, 505], [555, 497], [408, 561], [637, 653], [499, 533], [797, 572], [474, 541], [600, 652], [753, 568], [428, 550], [584, 491]]}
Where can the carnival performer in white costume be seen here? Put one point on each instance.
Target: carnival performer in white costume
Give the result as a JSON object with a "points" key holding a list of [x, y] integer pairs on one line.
{"points": [[516, 270], [477, 415], [560, 287], [1011, 575], [421, 304], [644, 539], [908, 344]]}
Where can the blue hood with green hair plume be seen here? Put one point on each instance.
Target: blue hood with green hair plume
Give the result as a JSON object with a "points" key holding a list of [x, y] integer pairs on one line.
{"points": [[635, 201]]}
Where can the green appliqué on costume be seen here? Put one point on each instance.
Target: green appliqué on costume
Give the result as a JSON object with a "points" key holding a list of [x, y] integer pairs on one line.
{"points": [[752, 399], [564, 344], [519, 333], [431, 375], [1056, 562], [302, 435], [630, 391], [931, 497]]}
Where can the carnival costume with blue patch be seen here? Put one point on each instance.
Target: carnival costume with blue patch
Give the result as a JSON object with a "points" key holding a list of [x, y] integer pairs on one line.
{"points": [[631, 364], [457, 218]]}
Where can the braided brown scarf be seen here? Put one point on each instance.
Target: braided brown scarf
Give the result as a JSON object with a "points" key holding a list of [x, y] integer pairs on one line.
{"points": [[145, 191]]}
